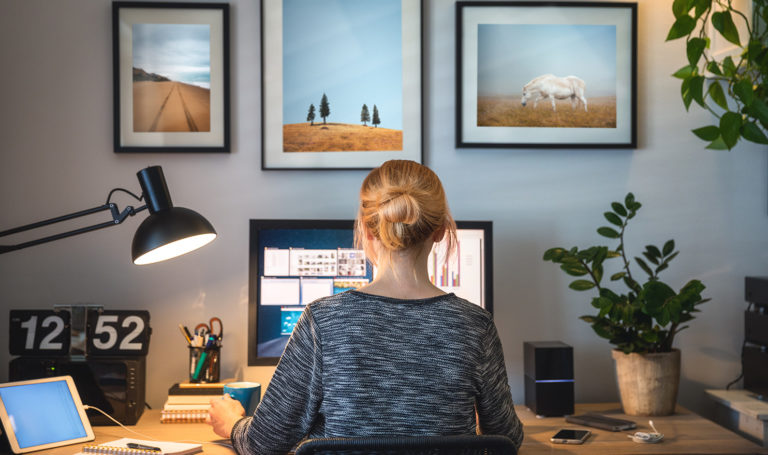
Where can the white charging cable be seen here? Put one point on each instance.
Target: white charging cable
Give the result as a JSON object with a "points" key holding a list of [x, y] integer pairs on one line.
{"points": [[647, 438], [85, 406]]}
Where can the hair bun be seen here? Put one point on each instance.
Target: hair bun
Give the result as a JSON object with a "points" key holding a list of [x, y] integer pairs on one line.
{"points": [[399, 206]]}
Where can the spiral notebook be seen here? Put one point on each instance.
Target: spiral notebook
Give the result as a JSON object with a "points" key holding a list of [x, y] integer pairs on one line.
{"points": [[166, 448]]}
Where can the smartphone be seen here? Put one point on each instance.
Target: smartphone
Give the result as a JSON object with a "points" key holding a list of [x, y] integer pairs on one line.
{"points": [[570, 436]]}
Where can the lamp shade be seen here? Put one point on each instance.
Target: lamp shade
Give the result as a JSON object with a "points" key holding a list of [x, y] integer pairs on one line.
{"points": [[170, 233]]}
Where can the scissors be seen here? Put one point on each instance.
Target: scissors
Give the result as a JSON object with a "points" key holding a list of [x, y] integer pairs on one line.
{"points": [[210, 328]]}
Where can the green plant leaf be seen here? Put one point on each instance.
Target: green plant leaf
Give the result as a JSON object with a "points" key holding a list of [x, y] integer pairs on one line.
{"points": [[717, 144], [644, 266], [730, 127], [651, 258], [751, 132], [589, 319], [685, 72], [669, 247], [581, 285], [662, 267], [707, 133], [743, 89], [608, 232], [618, 276], [717, 94], [723, 23], [618, 208], [685, 92], [574, 269], [759, 110], [729, 68], [701, 7], [694, 49], [653, 250], [714, 68], [613, 218], [554, 254], [683, 26], [671, 257], [681, 7], [696, 86]]}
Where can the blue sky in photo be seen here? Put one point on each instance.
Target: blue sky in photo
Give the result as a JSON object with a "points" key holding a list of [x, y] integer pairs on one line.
{"points": [[181, 52], [510, 55], [351, 50]]}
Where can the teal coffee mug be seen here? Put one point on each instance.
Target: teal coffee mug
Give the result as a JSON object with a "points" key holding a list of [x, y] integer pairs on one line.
{"points": [[247, 393]]}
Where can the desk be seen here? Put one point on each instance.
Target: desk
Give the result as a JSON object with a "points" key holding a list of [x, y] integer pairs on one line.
{"points": [[685, 433]]}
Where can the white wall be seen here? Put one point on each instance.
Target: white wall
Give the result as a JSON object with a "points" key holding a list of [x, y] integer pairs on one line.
{"points": [[56, 157]]}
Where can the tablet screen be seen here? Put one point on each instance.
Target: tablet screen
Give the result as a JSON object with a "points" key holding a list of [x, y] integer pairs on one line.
{"points": [[43, 413]]}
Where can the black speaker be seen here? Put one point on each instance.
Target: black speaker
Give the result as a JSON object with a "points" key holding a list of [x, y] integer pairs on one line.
{"points": [[756, 290], [754, 361], [548, 377]]}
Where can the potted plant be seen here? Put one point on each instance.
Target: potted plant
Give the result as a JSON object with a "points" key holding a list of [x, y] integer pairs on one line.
{"points": [[641, 321], [732, 85]]}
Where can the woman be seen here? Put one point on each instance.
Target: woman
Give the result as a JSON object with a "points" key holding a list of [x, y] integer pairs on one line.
{"points": [[396, 357]]}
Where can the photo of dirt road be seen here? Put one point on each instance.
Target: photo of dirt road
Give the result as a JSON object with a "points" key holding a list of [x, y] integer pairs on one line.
{"points": [[170, 106]]}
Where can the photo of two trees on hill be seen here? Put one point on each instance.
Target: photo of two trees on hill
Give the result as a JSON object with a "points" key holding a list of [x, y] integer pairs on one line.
{"points": [[349, 64]]}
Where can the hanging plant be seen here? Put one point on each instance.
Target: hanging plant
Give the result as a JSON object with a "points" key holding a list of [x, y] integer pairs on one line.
{"points": [[734, 87]]}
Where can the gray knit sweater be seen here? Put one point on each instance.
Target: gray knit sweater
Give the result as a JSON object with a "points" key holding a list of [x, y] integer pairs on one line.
{"points": [[364, 365]]}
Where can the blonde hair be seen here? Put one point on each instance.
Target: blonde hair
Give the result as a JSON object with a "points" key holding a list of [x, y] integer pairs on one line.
{"points": [[402, 205]]}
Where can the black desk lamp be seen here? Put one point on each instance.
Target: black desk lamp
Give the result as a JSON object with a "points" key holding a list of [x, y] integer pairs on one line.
{"points": [[167, 232]]}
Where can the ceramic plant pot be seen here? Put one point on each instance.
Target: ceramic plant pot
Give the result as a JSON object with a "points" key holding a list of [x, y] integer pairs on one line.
{"points": [[648, 382]]}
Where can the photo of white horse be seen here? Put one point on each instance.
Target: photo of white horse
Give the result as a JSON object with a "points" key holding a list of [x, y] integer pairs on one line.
{"points": [[569, 69], [552, 87]]}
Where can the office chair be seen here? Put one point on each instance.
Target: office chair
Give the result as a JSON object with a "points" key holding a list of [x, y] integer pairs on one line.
{"points": [[411, 445]]}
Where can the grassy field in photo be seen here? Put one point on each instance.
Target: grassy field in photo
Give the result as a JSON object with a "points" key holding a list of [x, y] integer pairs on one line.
{"points": [[339, 137], [508, 111]]}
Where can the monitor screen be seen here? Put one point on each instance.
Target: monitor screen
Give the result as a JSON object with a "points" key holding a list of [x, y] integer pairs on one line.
{"points": [[294, 262]]}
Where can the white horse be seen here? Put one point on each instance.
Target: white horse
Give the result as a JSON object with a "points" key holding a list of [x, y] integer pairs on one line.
{"points": [[553, 87]]}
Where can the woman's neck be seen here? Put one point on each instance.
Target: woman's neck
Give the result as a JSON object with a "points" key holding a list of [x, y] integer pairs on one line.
{"points": [[404, 275]]}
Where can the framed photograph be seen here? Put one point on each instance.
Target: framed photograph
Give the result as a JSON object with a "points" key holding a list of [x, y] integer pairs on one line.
{"points": [[546, 74], [341, 83], [171, 77]]}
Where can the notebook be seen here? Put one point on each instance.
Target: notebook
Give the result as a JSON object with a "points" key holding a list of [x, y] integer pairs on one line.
{"points": [[43, 414], [166, 448]]}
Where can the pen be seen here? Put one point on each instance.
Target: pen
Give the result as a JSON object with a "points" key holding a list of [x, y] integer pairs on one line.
{"points": [[184, 333], [133, 445]]}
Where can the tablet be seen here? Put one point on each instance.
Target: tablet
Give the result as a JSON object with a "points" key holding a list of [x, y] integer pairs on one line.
{"points": [[42, 414]]}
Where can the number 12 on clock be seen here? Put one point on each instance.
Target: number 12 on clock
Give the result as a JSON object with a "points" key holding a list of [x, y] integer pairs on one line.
{"points": [[39, 332]]}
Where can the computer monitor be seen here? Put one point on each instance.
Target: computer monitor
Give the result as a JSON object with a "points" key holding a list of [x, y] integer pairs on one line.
{"points": [[294, 262]]}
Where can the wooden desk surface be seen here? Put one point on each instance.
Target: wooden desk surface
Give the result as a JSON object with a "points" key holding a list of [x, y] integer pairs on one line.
{"points": [[684, 433]]}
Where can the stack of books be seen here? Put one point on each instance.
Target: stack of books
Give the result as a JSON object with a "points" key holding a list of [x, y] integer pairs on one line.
{"points": [[190, 402]]}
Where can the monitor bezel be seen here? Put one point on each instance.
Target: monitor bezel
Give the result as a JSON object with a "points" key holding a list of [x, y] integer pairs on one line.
{"points": [[7, 428], [257, 225]]}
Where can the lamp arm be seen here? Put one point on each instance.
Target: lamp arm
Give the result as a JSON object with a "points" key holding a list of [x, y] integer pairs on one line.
{"points": [[117, 218]]}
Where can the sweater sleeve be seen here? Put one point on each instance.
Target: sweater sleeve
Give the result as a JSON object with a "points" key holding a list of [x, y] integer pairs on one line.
{"points": [[290, 405], [495, 409]]}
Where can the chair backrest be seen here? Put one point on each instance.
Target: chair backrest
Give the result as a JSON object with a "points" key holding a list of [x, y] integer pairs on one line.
{"points": [[411, 445]]}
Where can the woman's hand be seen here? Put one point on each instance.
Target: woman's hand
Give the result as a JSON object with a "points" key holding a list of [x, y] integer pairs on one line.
{"points": [[223, 415]]}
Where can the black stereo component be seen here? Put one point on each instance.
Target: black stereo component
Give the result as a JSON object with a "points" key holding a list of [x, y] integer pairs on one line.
{"points": [[549, 382], [754, 362], [756, 325], [756, 290], [116, 385]]}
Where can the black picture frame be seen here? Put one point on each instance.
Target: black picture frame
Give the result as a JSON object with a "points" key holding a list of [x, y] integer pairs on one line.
{"points": [[180, 102], [283, 142], [491, 115]]}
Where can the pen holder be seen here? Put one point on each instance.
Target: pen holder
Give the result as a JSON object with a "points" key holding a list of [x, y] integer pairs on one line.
{"points": [[204, 364]]}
